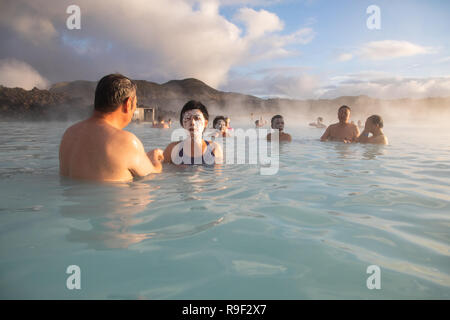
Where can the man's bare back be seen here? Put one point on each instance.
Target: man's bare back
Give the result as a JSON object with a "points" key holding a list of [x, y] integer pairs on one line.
{"points": [[94, 150], [97, 148]]}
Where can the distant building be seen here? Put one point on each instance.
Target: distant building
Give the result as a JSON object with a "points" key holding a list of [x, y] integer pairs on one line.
{"points": [[144, 114]]}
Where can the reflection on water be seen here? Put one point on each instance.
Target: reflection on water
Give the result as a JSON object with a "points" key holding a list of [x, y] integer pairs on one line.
{"points": [[111, 210], [371, 151]]}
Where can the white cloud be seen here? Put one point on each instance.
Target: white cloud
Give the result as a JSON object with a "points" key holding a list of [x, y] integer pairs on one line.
{"points": [[301, 83], [345, 57], [249, 2], [387, 49], [390, 49], [29, 24], [14, 73], [283, 82], [390, 88], [259, 22], [443, 60], [157, 40]]}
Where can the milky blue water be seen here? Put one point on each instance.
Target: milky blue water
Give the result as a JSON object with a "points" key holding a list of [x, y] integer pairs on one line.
{"points": [[308, 232]]}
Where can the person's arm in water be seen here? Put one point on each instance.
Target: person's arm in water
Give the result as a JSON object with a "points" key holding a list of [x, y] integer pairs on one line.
{"points": [[143, 163], [355, 134], [168, 152], [326, 134], [288, 137], [218, 153], [363, 137]]}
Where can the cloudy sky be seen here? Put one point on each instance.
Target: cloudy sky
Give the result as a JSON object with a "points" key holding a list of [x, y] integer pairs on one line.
{"points": [[286, 48]]}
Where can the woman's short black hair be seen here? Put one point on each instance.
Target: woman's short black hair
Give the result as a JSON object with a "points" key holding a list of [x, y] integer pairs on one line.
{"points": [[216, 119], [192, 105]]}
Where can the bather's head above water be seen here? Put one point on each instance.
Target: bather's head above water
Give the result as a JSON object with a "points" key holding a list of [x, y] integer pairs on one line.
{"points": [[277, 122], [220, 123], [344, 114], [374, 123], [115, 99], [194, 118]]}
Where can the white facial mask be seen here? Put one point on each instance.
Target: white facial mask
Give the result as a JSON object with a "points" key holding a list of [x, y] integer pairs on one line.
{"points": [[198, 125]]}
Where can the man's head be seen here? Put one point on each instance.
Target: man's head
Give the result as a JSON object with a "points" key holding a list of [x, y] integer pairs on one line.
{"points": [[277, 122], [344, 114], [116, 93], [374, 122], [194, 117], [219, 123]]}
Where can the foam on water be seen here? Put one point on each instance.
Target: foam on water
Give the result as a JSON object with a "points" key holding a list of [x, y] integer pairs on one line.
{"points": [[310, 231]]}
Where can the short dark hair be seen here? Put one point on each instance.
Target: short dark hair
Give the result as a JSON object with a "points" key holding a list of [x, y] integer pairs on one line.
{"points": [[275, 117], [216, 119], [344, 107], [112, 91], [377, 120], [192, 105]]}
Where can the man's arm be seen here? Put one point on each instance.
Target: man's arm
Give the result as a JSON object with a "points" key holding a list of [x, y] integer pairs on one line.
{"points": [[326, 134], [355, 134], [143, 163], [289, 138]]}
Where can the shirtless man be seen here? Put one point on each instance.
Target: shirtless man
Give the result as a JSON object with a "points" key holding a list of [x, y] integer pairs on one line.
{"points": [[374, 125], [343, 130], [277, 123], [97, 148]]}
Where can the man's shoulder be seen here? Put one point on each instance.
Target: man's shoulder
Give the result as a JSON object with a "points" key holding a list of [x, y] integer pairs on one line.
{"points": [[73, 130], [75, 126], [333, 125], [126, 138], [382, 139]]}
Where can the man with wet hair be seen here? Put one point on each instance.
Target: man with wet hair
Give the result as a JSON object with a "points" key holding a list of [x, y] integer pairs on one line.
{"points": [[343, 130], [277, 123], [374, 126], [97, 148]]}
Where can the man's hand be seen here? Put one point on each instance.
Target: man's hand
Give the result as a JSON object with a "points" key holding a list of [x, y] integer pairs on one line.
{"points": [[156, 156]]}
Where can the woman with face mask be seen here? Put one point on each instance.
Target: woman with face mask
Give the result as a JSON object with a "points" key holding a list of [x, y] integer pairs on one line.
{"points": [[194, 149]]}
